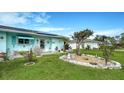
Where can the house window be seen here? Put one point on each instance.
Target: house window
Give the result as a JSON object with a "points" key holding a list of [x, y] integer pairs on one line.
{"points": [[20, 41], [42, 44], [26, 41], [23, 41]]}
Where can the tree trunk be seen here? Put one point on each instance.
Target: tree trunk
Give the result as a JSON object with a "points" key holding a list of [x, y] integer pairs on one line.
{"points": [[106, 56], [78, 50], [106, 60]]}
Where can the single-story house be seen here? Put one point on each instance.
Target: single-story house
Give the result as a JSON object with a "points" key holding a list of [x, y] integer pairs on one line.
{"points": [[72, 44], [18, 39], [86, 43], [91, 43]]}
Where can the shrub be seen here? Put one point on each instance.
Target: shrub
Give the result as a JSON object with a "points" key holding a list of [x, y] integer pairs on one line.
{"points": [[31, 57], [3, 57], [28, 55], [23, 52], [66, 46], [88, 47]]}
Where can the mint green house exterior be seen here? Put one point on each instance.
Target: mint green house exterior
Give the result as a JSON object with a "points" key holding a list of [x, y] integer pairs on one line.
{"points": [[17, 39]]}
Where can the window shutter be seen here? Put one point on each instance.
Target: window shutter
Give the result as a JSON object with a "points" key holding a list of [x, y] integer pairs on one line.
{"points": [[13, 40]]}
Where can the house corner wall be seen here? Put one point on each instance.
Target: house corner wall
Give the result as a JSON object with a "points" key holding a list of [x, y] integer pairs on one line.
{"points": [[3, 42]]}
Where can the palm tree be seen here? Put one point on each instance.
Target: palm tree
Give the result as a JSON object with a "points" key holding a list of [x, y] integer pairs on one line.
{"points": [[79, 37]]}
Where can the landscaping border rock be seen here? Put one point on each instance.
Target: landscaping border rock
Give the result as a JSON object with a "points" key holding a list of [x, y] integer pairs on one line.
{"points": [[29, 63], [113, 65]]}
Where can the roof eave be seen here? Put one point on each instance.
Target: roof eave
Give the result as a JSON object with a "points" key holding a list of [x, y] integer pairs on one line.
{"points": [[29, 33]]}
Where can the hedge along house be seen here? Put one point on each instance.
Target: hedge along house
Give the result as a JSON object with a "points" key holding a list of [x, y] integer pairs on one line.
{"points": [[17, 39]]}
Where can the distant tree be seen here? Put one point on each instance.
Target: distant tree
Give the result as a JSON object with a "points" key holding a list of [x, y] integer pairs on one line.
{"points": [[66, 43], [122, 39], [122, 35], [65, 39], [101, 38], [79, 37], [66, 46], [113, 41]]}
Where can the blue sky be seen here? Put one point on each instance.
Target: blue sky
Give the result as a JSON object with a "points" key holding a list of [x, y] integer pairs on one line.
{"points": [[66, 23]]}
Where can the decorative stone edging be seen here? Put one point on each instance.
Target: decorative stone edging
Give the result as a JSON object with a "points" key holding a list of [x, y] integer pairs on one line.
{"points": [[114, 65], [29, 63]]}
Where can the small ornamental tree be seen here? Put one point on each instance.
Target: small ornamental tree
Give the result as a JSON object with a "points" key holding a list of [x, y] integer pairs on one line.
{"points": [[107, 46], [79, 37], [29, 56], [107, 52]]}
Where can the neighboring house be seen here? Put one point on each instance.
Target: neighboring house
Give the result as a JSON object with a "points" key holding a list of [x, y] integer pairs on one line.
{"points": [[18, 39], [91, 43], [72, 44]]}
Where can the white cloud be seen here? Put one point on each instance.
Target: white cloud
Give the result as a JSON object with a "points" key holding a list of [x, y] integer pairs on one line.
{"points": [[48, 29], [12, 19], [23, 18], [42, 18], [109, 32]]}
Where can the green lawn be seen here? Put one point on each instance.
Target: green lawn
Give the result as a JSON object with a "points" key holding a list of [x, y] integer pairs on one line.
{"points": [[52, 68]]}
